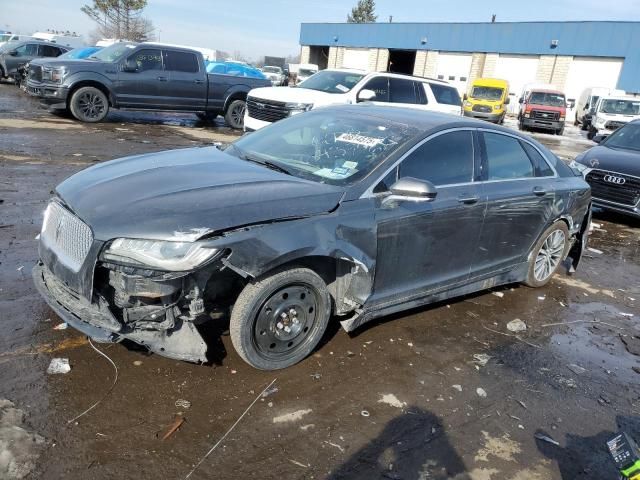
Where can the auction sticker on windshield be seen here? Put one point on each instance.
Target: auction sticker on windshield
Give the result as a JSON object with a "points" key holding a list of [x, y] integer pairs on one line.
{"points": [[359, 139], [342, 88]]}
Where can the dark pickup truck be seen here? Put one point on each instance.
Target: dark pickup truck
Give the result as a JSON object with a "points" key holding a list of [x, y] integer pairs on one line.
{"points": [[145, 76]]}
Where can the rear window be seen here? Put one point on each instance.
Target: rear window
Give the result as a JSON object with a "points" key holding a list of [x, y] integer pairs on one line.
{"points": [[180, 61], [445, 94]]}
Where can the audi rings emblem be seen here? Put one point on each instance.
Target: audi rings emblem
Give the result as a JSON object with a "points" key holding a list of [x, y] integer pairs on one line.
{"points": [[614, 179]]}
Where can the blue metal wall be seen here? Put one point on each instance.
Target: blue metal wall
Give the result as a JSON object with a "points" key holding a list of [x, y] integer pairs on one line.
{"points": [[590, 39]]}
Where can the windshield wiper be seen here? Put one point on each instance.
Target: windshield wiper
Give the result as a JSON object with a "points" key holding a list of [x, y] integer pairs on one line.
{"points": [[266, 163]]}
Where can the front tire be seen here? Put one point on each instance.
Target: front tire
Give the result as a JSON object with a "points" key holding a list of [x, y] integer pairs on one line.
{"points": [[548, 254], [278, 321], [234, 116], [591, 133], [88, 104]]}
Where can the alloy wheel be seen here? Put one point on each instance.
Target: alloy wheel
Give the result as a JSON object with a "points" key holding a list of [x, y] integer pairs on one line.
{"points": [[549, 256], [91, 105]]}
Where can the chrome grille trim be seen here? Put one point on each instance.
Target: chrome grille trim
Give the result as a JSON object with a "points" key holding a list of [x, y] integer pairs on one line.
{"points": [[68, 237]]}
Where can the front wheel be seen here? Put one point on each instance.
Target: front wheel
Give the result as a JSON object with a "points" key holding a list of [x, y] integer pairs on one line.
{"points": [[548, 254], [278, 321], [591, 133], [234, 116], [560, 131], [88, 104]]}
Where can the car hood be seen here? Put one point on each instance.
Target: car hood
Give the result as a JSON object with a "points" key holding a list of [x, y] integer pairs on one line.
{"points": [[612, 159], [185, 194], [64, 62], [296, 95]]}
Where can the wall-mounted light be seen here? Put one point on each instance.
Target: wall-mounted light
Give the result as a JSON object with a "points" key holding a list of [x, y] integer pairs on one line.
{"points": [[335, 38], [554, 43], [423, 40]]}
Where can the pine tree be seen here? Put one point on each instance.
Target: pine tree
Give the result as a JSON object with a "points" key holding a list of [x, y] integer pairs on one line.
{"points": [[363, 12], [121, 19]]}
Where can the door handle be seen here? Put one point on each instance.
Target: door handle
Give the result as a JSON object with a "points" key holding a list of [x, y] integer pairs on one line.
{"points": [[199, 82], [468, 200], [539, 191], [162, 79]]}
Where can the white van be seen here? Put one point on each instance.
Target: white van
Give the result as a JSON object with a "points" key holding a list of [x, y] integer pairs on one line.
{"points": [[72, 41], [612, 112], [334, 87], [13, 37], [588, 99]]}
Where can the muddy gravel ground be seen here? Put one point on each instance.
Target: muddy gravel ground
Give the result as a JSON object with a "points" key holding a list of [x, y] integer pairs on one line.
{"points": [[445, 392]]}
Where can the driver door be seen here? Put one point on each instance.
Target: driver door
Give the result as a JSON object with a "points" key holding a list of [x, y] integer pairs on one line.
{"points": [[430, 246], [24, 53], [145, 86]]}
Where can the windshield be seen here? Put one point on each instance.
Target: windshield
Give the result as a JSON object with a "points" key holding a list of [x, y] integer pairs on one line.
{"points": [[487, 93], [331, 81], [546, 98], [113, 52], [627, 137], [620, 107], [5, 37], [325, 147], [272, 70], [305, 72]]}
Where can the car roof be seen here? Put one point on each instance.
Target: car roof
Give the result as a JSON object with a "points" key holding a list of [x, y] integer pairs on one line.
{"points": [[39, 42], [389, 74], [546, 90]]}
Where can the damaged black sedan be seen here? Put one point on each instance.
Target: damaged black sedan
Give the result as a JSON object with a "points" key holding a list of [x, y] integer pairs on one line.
{"points": [[350, 212]]}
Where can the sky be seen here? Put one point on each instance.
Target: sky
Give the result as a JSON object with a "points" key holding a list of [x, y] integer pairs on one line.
{"points": [[272, 27]]}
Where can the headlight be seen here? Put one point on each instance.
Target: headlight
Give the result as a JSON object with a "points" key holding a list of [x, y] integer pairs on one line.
{"points": [[467, 103], [497, 107], [172, 256], [579, 167], [53, 74], [295, 108], [526, 115]]}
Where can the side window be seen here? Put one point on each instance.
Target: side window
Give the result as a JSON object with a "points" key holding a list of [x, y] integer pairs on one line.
{"points": [[443, 160], [401, 91], [542, 167], [380, 85], [180, 62], [148, 59], [444, 94], [28, 50], [48, 51], [385, 184], [506, 158]]}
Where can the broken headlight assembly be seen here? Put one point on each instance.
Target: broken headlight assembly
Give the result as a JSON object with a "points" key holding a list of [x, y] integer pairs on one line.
{"points": [[578, 167], [295, 108], [53, 74], [156, 254]]}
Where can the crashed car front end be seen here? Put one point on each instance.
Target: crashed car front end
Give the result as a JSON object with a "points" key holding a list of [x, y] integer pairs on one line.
{"points": [[150, 292]]}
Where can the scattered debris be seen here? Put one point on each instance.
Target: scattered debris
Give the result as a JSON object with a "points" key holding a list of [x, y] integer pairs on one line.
{"points": [[364, 413], [631, 343], [307, 426], [59, 365], [229, 431], [137, 363], [19, 448], [628, 315], [481, 358], [298, 463], [457, 387], [577, 369], [292, 417], [498, 294], [409, 344], [481, 393], [61, 326], [512, 336], [636, 369], [269, 391], [595, 250], [335, 445], [392, 400], [178, 420], [77, 154], [542, 297], [233, 372], [522, 404], [516, 326], [316, 376], [569, 382], [182, 403]]}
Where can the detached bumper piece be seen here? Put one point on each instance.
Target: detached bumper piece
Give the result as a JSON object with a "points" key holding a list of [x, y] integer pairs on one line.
{"points": [[181, 341]]}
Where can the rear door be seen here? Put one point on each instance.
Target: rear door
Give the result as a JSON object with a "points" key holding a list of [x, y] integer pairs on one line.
{"points": [[188, 80], [443, 98], [147, 87], [49, 51], [520, 187]]}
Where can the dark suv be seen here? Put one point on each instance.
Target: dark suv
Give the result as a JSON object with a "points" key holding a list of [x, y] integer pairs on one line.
{"points": [[15, 55]]}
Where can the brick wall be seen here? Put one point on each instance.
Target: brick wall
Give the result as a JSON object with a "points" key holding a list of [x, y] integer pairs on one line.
{"points": [[305, 54], [560, 71], [490, 61], [477, 66], [545, 68], [378, 59]]}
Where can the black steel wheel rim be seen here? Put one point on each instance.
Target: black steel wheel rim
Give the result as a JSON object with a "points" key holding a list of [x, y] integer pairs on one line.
{"points": [[91, 105], [285, 321]]}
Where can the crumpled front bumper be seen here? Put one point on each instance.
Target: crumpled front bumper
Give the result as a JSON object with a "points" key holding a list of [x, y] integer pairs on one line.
{"points": [[51, 95], [95, 320]]}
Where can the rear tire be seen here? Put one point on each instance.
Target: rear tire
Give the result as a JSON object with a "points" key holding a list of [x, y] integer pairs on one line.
{"points": [[548, 254], [88, 104], [278, 321], [234, 116]]}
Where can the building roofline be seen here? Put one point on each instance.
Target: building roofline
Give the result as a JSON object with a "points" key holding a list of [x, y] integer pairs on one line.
{"points": [[517, 22]]}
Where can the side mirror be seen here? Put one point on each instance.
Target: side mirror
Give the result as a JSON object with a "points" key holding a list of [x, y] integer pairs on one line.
{"points": [[410, 189], [130, 65], [13, 53], [464, 97], [599, 138], [507, 101], [366, 95]]}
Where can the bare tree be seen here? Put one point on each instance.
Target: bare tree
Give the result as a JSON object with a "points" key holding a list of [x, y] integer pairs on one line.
{"points": [[121, 19]]}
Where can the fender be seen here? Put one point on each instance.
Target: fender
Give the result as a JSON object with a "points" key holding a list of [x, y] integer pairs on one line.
{"points": [[234, 90], [72, 80]]}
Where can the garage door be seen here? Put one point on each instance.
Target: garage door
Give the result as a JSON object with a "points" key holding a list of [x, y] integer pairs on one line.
{"points": [[454, 68], [587, 72], [356, 58], [518, 70]]}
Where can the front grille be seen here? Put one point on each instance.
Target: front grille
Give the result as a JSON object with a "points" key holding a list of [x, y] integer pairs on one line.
{"points": [[68, 237], [605, 186], [544, 115], [614, 125], [35, 72], [481, 108], [266, 110]]}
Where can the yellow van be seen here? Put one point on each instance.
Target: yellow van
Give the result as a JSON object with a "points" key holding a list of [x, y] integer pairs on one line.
{"points": [[487, 99]]}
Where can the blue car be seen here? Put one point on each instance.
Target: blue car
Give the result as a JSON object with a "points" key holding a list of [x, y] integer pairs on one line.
{"points": [[235, 68], [80, 53]]}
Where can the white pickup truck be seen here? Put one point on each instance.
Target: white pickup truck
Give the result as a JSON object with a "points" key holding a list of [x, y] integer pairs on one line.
{"points": [[612, 112], [332, 87]]}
